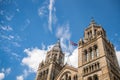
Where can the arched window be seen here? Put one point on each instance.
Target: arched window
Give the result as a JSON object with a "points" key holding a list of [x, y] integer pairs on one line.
{"points": [[90, 34], [84, 70], [95, 77], [89, 78], [76, 77], [91, 53], [47, 71], [96, 51], [95, 32], [69, 78], [85, 55], [90, 68], [87, 70], [98, 65], [66, 76], [95, 66]]}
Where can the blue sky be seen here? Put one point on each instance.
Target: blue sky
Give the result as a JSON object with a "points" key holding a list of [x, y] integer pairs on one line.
{"points": [[28, 28]]}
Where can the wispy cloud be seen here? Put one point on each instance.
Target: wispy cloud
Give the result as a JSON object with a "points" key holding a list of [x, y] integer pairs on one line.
{"points": [[26, 23], [51, 6], [16, 55], [9, 37], [48, 10], [42, 11], [63, 33], [16, 44], [9, 17], [6, 28]]}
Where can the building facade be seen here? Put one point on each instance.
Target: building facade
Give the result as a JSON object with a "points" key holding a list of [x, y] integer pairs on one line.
{"points": [[96, 59]]}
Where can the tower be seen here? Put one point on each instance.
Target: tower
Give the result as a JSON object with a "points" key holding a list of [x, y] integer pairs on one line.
{"points": [[52, 65], [96, 56]]}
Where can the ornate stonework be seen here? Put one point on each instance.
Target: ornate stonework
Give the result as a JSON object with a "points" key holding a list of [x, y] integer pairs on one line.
{"points": [[96, 59]]}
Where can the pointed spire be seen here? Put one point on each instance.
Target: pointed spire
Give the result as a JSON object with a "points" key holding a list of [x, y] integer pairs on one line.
{"points": [[57, 46], [92, 21]]}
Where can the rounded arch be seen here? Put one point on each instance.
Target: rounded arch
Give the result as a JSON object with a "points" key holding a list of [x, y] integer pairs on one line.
{"points": [[89, 78], [67, 72], [95, 77], [85, 55]]}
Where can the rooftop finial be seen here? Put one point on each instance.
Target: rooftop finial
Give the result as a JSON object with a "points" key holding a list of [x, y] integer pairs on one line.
{"points": [[92, 21]]}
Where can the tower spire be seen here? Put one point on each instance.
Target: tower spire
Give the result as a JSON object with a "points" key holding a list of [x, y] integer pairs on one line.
{"points": [[92, 21]]}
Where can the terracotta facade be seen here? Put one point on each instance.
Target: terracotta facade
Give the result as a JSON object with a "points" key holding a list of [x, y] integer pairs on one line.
{"points": [[96, 59]]}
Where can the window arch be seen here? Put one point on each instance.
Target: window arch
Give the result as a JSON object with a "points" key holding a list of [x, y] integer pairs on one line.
{"points": [[91, 53], [69, 78], [66, 76], [89, 78], [95, 77], [85, 56], [96, 50]]}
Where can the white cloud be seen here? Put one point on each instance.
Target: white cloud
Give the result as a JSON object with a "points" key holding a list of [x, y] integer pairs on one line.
{"points": [[2, 76], [118, 56], [6, 28], [51, 4], [34, 57], [20, 77], [74, 58]]}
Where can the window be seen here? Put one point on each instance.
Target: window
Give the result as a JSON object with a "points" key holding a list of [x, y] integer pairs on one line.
{"points": [[91, 53], [69, 78], [95, 31], [95, 77], [96, 51], [89, 78], [66, 76], [85, 55]]}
